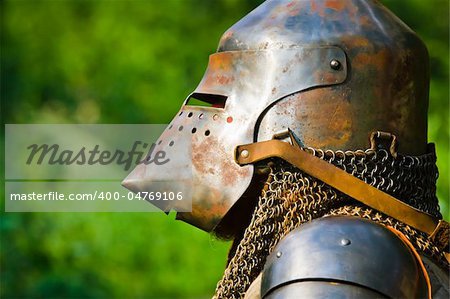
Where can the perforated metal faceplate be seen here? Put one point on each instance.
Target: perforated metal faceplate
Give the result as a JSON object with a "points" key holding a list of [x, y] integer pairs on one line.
{"points": [[251, 81]]}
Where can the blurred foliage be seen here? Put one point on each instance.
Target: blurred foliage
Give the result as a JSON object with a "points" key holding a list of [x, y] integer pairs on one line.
{"points": [[133, 62]]}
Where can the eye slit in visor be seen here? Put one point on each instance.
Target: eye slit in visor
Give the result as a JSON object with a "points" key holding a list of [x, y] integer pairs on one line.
{"points": [[207, 100]]}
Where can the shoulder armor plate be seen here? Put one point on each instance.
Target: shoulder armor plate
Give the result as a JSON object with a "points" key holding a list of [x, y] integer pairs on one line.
{"points": [[340, 255]]}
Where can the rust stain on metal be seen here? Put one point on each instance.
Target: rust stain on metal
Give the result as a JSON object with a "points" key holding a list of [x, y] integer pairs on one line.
{"points": [[293, 8], [313, 6], [204, 214], [379, 59], [211, 151], [358, 42], [224, 80], [221, 62], [364, 20], [202, 158], [335, 4], [323, 7], [332, 126], [339, 121]]}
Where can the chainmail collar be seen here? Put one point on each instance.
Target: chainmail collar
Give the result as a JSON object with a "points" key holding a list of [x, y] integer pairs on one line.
{"points": [[290, 198]]}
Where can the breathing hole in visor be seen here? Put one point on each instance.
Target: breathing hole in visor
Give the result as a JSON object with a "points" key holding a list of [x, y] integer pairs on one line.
{"points": [[206, 100]]}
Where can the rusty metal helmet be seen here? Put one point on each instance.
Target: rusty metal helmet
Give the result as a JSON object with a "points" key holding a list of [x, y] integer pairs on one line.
{"points": [[331, 71]]}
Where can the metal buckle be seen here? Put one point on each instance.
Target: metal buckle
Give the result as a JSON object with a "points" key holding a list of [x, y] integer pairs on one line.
{"points": [[380, 139]]}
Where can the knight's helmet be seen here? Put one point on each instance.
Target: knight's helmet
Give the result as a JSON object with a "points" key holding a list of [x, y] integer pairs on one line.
{"points": [[332, 71]]}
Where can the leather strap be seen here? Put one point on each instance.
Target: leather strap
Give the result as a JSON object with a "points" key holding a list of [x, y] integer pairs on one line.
{"points": [[438, 230]]}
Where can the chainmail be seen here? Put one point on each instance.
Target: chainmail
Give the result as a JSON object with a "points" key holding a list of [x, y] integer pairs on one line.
{"points": [[291, 197]]}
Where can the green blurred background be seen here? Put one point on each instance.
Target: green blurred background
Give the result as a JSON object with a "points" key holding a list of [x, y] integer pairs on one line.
{"points": [[104, 61]]}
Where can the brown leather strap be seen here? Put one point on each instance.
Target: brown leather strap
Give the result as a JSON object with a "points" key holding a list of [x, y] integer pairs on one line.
{"points": [[417, 256], [346, 183]]}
